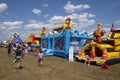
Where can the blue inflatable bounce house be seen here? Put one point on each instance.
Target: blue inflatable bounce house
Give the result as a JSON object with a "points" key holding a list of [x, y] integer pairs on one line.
{"points": [[59, 42]]}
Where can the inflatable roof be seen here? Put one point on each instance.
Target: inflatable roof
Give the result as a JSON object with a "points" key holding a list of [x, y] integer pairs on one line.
{"points": [[16, 38]]}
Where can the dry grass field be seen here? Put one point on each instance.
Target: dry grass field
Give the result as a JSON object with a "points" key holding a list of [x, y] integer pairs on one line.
{"points": [[54, 68]]}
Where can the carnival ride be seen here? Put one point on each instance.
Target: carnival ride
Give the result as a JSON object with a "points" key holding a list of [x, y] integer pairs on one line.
{"points": [[111, 45]]}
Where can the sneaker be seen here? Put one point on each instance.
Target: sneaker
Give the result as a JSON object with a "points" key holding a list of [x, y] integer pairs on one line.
{"points": [[88, 64], [21, 67], [14, 61], [17, 68]]}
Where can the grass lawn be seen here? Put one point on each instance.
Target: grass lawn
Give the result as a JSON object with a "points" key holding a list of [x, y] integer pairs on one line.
{"points": [[54, 68]]}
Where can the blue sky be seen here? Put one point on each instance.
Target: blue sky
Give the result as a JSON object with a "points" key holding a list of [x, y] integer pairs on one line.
{"points": [[26, 16]]}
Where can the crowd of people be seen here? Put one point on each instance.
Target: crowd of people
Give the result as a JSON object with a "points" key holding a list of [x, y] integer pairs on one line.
{"points": [[19, 50]]}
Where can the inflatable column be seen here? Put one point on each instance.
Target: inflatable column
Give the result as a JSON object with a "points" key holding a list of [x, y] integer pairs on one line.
{"points": [[67, 41]]}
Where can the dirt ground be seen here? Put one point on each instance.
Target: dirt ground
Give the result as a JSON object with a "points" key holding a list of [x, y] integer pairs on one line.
{"points": [[54, 68]]}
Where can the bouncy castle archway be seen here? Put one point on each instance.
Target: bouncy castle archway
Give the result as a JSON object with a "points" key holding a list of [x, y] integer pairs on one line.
{"points": [[96, 48]]}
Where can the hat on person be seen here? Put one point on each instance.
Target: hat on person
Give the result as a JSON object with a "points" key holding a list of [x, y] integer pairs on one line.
{"points": [[68, 19], [100, 24]]}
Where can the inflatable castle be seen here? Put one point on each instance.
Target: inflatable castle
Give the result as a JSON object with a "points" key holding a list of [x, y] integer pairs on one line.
{"points": [[59, 41], [33, 39], [103, 51], [15, 39]]}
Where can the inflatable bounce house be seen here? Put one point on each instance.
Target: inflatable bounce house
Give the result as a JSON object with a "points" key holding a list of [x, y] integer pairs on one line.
{"points": [[61, 39], [33, 39], [103, 51], [15, 39]]}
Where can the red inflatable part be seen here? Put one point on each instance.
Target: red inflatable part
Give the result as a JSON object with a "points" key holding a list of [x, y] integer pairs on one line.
{"points": [[105, 66]]}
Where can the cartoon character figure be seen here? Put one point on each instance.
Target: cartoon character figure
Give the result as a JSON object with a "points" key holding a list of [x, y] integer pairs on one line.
{"points": [[43, 32], [67, 24], [99, 33]]}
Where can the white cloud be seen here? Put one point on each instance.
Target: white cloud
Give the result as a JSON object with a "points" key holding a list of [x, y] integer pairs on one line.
{"points": [[70, 8], [3, 7], [107, 29], [11, 25], [81, 19], [46, 15], [86, 22], [107, 24], [36, 28], [34, 25], [118, 22], [57, 19], [37, 11], [32, 21], [91, 15], [118, 29], [86, 6], [73, 16], [7, 29], [45, 5], [83, 15]]}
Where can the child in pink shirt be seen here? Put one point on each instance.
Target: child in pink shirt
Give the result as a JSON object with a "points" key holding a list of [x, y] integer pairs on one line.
{"points": [[40, 57]]}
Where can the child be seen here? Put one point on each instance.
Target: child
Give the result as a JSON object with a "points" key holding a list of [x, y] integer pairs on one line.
{"points": [[89, 56], [18, 57], [40, 57], [26, 50]]}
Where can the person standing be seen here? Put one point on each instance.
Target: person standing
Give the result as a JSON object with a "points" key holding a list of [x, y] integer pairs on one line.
{"points": [[40, 57], [18, 57], [89, 56], [14, 48], [9, 49]]}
